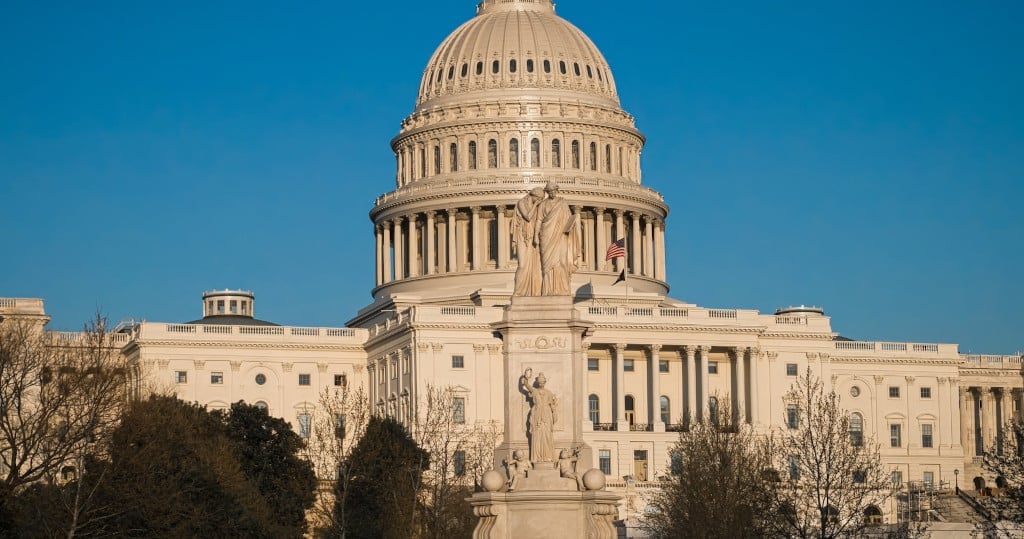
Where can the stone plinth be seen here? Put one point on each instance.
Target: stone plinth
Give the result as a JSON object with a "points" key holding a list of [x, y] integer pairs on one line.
{"points": [[539, 514]]}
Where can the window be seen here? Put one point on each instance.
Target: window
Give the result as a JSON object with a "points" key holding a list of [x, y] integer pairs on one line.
{"points": [[561, 66], [556, 153], [340, 380], [791, 369], [453, 157], [792, 416], [513, 153], [262, 406], [465, 70], [630, 405], [458, 362], [304, 424], [895, 435], [712, 367], [339, 425], [575, 154], [512, 66], [492, 153], [794, 468], [608, 158], [666, 410], [897, 478], [220, 306], [576, 68], [303, 379], [894, 392], [261, 379], [604, 461], [926, 392], [662, 365], [860, 476], [713, 410], [590, 73], [216, 377], [675, 462], [535, 152], [929, 479], [593, 156], [459, 457], [234, 306], [627, 365], [479, 68], [181, 377], [529, 66], [459, 410], [451, 72], [437, 159], [593, 364], [547, 66], [926, 435], [594, 407], [856, 429], [472, 155], [423, 163], [495, 66]]}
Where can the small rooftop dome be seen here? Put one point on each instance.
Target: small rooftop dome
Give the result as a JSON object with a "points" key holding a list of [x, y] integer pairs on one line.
{"points": [[230, 307], [802, 309]]}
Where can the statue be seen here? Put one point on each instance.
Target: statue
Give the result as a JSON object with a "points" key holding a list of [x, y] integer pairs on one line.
{"points": [[543, 414], [567, 466], [524, 235], [558, 238], [516, 469]]}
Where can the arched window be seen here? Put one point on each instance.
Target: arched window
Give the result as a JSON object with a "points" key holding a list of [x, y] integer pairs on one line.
{"points": [[713, 410], [599, 74], [630, 409], [590, 73], [620, 161], [479, 68], [423, 163], [529, 66], [872, 515], [512, 66], [547, 66], [453, 157], [556, 153], [594, 406], [261, 405], [495, 66], [465, 70], [666, 410], [575, 154], [492, 153], [472, 155], [856, 429], [561, 66], [535, 152], [593, 156], [608, 158], [437, 159], [513, 152], [576, 68], [440, 73], [451, 72]]}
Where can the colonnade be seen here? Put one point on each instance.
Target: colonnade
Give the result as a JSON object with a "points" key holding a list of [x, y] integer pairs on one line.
{"points": [[461, 239], [986, 411]]}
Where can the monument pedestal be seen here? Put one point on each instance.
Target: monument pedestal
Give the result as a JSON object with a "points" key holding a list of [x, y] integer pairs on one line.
{"points": [[542, 514]]}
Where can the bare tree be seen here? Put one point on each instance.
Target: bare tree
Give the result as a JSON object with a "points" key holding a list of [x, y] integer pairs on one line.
{"points": [[829, 476], [337, 425], [60, 396]]}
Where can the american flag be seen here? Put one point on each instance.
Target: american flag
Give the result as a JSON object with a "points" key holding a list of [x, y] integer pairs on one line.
{"points": [[616, 250]]}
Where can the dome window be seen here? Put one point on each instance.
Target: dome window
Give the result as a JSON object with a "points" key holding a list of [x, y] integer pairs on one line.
{"points": [[593, 156], [492, 153], [608, 158], [576, 154], [479, 68], [535, 152], [512, 66], [451, 72], [465, 70], [423, 163], [440, 73], [513, 153], [495, 66], [472, 155], [529, 66], [576, 68], [437, 159], [556, 153], [590, 73], [453, 157], [599, 74], [547, 66], [561, 66]]}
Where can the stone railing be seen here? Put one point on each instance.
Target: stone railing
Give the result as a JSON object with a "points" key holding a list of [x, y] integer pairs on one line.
{"points": [[568, 184], [79, 337], [991, 361], [698, 315], [892, 346], [150, 330], [23, 305]]}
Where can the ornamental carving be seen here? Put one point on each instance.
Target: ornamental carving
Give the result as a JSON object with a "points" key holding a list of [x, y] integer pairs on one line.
{"points": [[200, 364], [541, 343], [322, 367], [879, 380], [287, 367]]}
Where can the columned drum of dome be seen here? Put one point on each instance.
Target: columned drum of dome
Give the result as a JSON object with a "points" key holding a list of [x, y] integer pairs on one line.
{"points": [[512, 99]]}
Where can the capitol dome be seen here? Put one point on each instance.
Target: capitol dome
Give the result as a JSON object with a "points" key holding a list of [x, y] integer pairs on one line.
{"points": [[517, 45]]}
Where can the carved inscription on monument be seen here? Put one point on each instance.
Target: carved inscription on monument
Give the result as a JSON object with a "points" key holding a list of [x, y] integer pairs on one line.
{"points": [[542, 343]]}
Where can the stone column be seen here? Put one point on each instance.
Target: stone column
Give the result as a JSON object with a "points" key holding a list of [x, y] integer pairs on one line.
{"points": [[740, 378], [654, 371], [620, 390], [475, 237], [399, 249], [965, 426], [379, 260], [618, 234], [452, 263], [955, 415], [414, 262], [634, 248], [753, 383], [591, 247], [648, 248], [431, 243], [659, 250], [702, 368], [386, 228], [691, 384], [588, 425], [602, 243], [503, 236]]}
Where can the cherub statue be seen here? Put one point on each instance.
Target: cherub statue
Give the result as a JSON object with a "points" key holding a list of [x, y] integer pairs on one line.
{"points": [[517, 467], [567, 466]]}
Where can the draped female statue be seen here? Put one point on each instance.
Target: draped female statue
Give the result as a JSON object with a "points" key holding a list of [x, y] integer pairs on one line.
{"points": [[559, 241], [524, 235], [543, 414]]}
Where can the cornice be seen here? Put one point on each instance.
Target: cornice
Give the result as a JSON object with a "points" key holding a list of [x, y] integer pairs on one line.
{"points": [[250, 345], [480, 127], [892, 360]]}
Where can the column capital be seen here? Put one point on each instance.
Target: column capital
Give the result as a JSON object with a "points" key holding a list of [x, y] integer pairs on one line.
{"points": [[620, 347], [398, 219], [740, 351], [690, 350], [771, 355], [909, 379], [654, 348], [575, 209], [586, 345], [475, 209], [599, 209], [756, 352], [879, 380], [451, 211], [430, 214], [618, 212], [704, 349]]}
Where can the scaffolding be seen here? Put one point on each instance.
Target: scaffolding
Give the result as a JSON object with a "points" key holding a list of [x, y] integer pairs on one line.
{"points": [[919, 501]]}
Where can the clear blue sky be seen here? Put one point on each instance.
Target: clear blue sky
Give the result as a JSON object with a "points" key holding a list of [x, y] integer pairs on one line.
{"points": [[864, 156]]}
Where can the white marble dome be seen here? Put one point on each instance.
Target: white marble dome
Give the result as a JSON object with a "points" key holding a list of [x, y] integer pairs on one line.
{"points": [[517, 45]]}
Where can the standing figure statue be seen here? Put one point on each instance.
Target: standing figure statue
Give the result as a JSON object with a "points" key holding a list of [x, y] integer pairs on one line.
{"points": [[558, 237], [524, 236], [543, 414]]}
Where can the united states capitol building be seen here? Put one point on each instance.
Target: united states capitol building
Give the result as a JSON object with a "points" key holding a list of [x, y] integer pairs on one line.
{"points": [[512, 99]]}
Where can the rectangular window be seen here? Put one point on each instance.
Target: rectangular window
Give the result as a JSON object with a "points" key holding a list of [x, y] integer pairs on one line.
{"points": [[894, 392], [181, 377], [458, 362], [627, 365], [459, 462], [340, 380], [593, 364], [794, 468], [605, 461], [792, 418], [304, 425], [459, 410], [859, 476], [897, 478], [339, 425], [662, 365], [791, 369], [676, 460], [220, 306], [234, 306], [712, 367], [926, 392], [929, 479], [594, 409], [406, 365], [926, 435], [303, 379], [216, 378], [895, 435]]}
